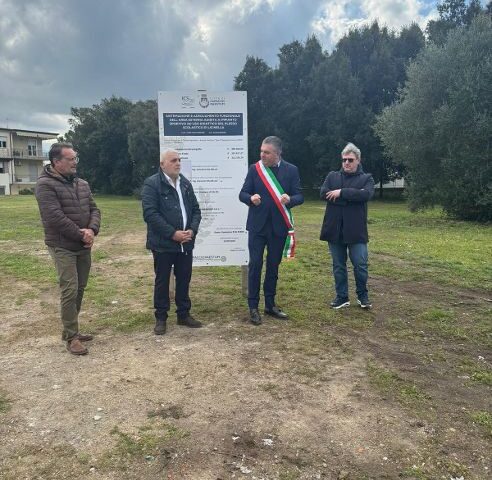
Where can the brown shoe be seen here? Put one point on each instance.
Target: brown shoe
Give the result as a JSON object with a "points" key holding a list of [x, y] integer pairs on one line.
{"points": [[84, 337], [76, 348]]}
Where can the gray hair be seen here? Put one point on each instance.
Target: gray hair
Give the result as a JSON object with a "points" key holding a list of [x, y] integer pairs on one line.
{"points": [[166, 152], [275, 141], [351, 148]]}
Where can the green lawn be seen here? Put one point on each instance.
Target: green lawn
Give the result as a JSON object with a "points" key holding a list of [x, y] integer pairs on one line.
{"points": [[429, 333], [403, 245], [418, 251]]}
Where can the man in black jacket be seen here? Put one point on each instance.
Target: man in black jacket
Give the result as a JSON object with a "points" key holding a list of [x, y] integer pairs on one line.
{"points": [[347, 192], [172, 214]]}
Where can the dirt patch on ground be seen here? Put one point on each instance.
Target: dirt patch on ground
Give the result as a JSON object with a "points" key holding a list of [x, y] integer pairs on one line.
{"points": [[237, 402], [234, 401]]}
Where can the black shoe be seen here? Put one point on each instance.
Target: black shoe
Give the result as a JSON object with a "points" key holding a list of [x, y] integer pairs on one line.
{"points": [[340, 303], [189, 321], [276, 312], [254, 316], [364, 302], [160, 327]]}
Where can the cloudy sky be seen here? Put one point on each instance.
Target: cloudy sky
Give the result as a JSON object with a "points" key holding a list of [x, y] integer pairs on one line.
{"points": [[55, 54]]}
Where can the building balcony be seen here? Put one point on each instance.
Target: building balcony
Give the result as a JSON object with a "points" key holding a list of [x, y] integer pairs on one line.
{"points": [[16, 153]]}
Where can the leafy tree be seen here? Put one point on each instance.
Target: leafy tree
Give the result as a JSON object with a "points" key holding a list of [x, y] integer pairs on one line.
{"points": [[370, 54], [341, 112], [297, 111], [256, 78], [452, 14], [83, 135], [441, 127], [318, 102], [279, 101], [377, 60], [143, 141], [100, 135]]}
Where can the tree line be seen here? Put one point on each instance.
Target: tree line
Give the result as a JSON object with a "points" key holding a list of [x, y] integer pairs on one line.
{"points": [[417, 103]]}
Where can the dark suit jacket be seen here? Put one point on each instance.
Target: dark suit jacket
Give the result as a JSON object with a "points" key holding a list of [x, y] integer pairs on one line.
{"points": [[288, 177], [162, 213]]}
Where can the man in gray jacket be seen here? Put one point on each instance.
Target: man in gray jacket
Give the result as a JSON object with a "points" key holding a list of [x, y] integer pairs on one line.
{"points": [[172, 214], [71, 220]]}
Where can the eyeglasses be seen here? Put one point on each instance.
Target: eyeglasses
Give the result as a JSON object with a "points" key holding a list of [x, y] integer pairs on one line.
{"points": [[73, 159], [349, 160]]}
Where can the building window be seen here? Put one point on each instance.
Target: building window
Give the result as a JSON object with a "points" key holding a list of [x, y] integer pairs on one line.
{"points": [[3, 142], [32, 148]]}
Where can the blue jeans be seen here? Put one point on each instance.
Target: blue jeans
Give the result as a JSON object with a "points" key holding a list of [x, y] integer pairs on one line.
{"points": [[358, 257]]}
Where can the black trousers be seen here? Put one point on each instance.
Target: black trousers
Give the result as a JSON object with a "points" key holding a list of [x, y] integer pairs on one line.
{"points": [[257, 241], [163, 262]]}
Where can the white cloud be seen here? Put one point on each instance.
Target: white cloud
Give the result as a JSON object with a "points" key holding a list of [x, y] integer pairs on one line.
{"points": [[336, 17], [202, 31], [240, 10], [55, 55], [41, 121], [53, 122], [205, 57]]}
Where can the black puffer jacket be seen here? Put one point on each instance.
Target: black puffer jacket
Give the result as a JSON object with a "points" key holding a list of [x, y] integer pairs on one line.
{"points": [[65, 206], [162, 213], [345, 219]]}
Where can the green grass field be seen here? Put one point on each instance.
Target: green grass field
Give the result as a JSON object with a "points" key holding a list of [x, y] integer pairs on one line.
{"points": [[430, 284], [425, 249], [404, 245]]}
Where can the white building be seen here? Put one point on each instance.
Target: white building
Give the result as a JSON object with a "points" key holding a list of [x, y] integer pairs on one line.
{"points": [[21, 159], [398, 184]]}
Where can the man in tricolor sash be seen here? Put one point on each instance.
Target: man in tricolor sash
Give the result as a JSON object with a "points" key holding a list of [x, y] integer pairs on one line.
{"points": [[271, 188]]}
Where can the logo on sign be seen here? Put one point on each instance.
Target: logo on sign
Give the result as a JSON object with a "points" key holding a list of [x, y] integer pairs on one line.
{"points": [[203, 100], [187, 101]]}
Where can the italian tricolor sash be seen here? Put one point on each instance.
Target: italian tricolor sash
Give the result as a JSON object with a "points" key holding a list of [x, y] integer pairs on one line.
{"points": [[276, 191]]}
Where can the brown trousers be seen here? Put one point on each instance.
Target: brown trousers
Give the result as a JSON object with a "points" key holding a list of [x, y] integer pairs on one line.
{"points": [[73, 272]]}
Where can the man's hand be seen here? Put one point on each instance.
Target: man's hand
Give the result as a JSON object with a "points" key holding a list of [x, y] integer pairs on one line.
{"points": [[191, 232], [88, 237], [284, 199], [182, 236], [333, 195], [255, 199]]}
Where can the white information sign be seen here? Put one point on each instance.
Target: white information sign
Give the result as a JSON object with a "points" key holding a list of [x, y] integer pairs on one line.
{"points": [[210, 132]]}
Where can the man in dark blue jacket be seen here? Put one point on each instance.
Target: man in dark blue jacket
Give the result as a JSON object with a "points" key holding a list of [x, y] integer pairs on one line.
{"points": [[347, 192], [172, 214], [271, 188]]}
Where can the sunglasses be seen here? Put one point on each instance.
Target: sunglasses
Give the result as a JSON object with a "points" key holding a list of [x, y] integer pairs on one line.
{"points": [[349, 160]]}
